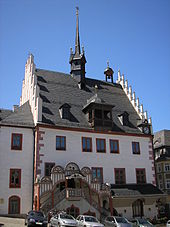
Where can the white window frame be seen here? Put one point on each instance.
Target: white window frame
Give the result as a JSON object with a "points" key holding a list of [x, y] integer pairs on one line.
{"points": [[167, 167], [167, 183]]}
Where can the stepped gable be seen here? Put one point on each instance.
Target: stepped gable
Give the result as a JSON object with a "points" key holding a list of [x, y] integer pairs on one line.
{"points": [[57, 89], [20, 117]]}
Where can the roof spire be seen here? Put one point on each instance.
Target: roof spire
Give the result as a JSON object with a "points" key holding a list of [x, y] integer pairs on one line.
{"points": [[77, 43]]}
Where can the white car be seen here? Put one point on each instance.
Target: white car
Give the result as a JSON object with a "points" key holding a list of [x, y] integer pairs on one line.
{"points": [[63, 220], [168, 224], [114, 221], [88, 221]]}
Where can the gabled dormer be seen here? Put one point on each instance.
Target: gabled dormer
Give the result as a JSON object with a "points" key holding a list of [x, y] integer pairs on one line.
{"points": [[65, 111], [124, 118], [98, 113], [77, 59]]}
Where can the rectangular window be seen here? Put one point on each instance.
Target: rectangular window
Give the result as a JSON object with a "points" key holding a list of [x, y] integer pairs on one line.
{"points": [[101, 145], [140, 176], [160, 185], [60, 143], [167, 167], [16, 141], [48, 168], [120, 176], [15, 178], [135, 148], [158, 168], [97, 174], [98, 113], [86, 144], [114, 146], [167, 183]]}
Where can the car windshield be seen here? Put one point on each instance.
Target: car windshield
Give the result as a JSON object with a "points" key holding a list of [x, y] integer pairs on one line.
{"points": [[36, 213], [121, 220], [143, 221], [90, 219], [66, 216]]}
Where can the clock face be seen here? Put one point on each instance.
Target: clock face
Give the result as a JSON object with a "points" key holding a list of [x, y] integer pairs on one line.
{"points": [[146, 130]]}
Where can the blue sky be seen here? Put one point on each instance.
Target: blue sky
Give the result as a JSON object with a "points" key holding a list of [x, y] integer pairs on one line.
{"points": [[134, 35]]}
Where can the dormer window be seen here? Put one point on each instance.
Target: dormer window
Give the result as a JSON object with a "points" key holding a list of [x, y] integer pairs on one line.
{"points": [[98, 113], [65, 111], [124, 118]]}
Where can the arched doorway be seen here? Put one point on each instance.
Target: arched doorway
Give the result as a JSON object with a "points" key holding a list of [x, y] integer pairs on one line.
{"points": [[137, 208], [74, 211], [14, 205]]}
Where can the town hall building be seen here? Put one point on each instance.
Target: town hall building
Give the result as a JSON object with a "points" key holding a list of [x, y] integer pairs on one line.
{"points": [[77, 144]]}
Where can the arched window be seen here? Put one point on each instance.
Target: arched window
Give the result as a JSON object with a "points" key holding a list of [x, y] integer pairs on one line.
{"points": [[137, 208], [14, 205], [74, 211]]}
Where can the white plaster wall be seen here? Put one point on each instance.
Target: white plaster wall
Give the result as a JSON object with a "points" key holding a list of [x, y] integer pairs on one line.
{"points": [[16, 159], [125, 159]]}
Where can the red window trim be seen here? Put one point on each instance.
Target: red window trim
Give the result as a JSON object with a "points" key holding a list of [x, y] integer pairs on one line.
{"points": [[117, 146], [104, 145], [141, 169], [15, 147], [9, 203], [101, 168], [135, 153], [11, 185], [45, 166], [124, 174], [61, 149], [83, 137]]}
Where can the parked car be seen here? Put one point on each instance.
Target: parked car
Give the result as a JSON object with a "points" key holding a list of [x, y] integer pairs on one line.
{"points": [[88, 221], [168, 224], [141, 222], [115, 221], [63, 220], [35, 218]]}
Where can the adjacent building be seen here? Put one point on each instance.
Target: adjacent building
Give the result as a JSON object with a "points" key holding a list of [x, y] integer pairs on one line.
{"points": [[77, 144], [161, 143]]}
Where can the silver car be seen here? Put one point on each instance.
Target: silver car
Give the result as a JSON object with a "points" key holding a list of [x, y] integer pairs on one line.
{"points": [[63, 220], [168, 224], [142, 222], [88, 221], [114, 221]]}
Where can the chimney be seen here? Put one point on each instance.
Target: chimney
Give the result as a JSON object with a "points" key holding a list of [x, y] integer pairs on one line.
{"points": [[15, 107]]}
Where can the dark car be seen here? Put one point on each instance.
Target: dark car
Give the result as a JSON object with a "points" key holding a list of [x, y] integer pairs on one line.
{"points": [[36, 218]]}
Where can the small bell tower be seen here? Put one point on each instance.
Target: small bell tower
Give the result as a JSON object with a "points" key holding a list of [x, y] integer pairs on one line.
{"points": [[77, 59], [109, 73]]}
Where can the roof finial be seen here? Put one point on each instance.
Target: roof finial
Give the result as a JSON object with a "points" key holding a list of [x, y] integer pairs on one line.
{"points": [[77, 43], [107, 63]]}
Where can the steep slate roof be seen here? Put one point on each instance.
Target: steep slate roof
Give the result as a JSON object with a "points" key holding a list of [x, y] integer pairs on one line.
{"points": [[163, 157], [161, 138], [134, 189], [4, 113], [21, 117], [57, 89]]}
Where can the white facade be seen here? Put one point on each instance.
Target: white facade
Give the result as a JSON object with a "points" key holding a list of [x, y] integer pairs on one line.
{"points": [[16, 159], [73, 153]]}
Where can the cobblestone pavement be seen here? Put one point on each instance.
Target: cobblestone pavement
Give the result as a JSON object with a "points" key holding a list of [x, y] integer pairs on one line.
{"points": [[12, 222]]}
